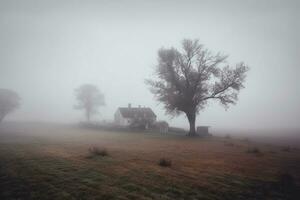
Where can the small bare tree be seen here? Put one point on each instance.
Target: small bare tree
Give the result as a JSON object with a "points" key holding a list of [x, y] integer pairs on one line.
{"points": [[187, 79], [9, 101], [89, 99]]}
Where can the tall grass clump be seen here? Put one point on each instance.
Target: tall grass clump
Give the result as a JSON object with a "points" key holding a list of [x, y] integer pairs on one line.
{"points": [[165, 162], [286, 149], [227, 136], [96, 151], [254, 150]]}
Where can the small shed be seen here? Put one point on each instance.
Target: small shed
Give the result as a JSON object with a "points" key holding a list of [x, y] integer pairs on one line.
{"points": [[203, 130], [162, 126]]}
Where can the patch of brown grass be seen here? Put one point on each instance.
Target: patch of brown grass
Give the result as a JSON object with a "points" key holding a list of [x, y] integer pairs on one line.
{"points": [[137, 156]]}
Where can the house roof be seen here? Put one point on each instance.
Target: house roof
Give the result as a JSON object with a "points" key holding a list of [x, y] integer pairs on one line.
{"points": [[137, 112]]}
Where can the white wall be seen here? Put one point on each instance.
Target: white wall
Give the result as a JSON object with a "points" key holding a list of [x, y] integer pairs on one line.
{"points": [[120, 120]]}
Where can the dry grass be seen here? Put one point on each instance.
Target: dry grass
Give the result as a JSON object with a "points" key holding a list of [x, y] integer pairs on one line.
{"points": [[37, 163]]}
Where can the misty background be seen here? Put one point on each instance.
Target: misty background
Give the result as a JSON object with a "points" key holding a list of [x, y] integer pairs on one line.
{"points": [[49, 48]]}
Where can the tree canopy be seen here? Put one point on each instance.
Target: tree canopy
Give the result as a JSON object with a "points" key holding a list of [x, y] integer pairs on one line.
{"points": [[9, 101], [89, 98], [187, 79]]}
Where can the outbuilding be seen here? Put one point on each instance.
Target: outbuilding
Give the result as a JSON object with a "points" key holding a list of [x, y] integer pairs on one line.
{"points": [[203, 130]]}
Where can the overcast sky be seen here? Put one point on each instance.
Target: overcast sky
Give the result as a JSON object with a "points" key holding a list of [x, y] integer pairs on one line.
{"points": [[48, 48]]}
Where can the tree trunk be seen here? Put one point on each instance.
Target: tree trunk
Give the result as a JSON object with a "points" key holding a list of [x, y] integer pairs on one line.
{"points": [[1, 118], [88, 115], [192, 119]]}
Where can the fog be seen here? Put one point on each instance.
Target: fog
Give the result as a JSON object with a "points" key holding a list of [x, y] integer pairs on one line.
{"points": [[48, 48]]}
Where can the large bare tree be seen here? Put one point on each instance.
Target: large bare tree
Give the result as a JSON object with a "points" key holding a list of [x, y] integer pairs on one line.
{"points": [[188, 78], [89, 99], [9, 101]]}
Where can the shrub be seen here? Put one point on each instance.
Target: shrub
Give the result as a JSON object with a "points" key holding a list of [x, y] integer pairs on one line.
{"points": [[286, 149], [164, 162], [227, 136], [272, 151], [95, 151], [247, 140], [287, 183], [254, 150], [231, 144]]}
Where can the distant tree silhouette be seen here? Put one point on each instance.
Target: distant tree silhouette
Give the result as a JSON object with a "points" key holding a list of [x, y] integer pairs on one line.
{"points": [[89, 99], [9, 101], [187, 79]]}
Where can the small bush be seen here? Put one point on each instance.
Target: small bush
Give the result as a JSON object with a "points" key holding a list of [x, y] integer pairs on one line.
{"points": [[227, 136], [230, 144], [247, 140], [272, 151], [95, 151], [254, 150], [287, 183], [286, 149], [164, 162]]}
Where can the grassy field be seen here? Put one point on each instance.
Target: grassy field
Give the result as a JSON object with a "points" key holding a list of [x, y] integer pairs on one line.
{"points": [[44, 161]]}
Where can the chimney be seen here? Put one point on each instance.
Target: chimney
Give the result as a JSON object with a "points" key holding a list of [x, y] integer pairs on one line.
{"points": [[129, 105]]}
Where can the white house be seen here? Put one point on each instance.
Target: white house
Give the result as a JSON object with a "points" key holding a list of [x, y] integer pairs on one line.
{"points": [[135, 116]]}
